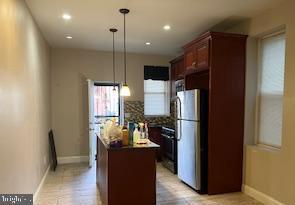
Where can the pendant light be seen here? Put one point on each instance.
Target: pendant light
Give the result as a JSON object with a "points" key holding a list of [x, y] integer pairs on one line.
{"points": [[114, 30], [125, 91]]}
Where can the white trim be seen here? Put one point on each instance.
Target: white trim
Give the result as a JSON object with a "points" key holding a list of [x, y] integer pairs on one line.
{"points": [[72, 159], [259, 196], [41, 184], [276, 33]]}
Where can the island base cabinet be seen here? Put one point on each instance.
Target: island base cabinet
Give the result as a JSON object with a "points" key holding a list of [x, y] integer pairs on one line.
{"points": [[126, 176]]}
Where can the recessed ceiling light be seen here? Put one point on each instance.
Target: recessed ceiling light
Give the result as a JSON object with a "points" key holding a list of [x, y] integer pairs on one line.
{"points": [[147, 43], [69, 37], [66, 16], [167, 27]]}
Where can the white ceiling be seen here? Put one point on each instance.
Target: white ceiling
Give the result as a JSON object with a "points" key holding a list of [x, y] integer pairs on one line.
{"points": [[91, 20]]}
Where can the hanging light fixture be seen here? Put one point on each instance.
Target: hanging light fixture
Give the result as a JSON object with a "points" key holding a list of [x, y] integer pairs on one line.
{"points": [[125, 91], [114, 30]]}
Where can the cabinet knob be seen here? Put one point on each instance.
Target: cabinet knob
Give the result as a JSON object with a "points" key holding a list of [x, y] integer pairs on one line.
{"points": [[194, 63]]}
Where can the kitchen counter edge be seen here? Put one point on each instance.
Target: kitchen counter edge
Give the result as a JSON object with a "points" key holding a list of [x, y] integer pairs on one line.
{"points": [[151, 145]]}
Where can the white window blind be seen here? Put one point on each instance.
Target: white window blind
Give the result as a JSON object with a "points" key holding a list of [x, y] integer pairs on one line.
{"points": [[271, 90], [156, 97]]}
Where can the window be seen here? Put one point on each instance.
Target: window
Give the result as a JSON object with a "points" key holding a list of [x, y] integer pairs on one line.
{"points": [[156, 97], [106, 102], [271, 90]]}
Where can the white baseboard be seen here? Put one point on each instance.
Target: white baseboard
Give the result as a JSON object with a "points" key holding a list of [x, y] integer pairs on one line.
{"points": [[259, 196], [72, 159], [35, 196]]}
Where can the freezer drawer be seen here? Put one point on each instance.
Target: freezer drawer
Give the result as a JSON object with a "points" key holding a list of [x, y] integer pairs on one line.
{"points": [[189, 165]]}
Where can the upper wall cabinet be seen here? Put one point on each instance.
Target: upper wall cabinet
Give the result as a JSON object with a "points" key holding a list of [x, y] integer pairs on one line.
{"points": [[189, 58], [202, 54], [197, 54], [177, 68], [177, 72]]}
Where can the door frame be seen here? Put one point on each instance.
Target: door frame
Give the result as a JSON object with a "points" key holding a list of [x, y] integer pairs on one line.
{"points": [[92, 145]]}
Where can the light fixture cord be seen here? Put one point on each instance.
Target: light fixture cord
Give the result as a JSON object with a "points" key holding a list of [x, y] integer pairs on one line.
{"points": [[114, 59], [125, 48]]}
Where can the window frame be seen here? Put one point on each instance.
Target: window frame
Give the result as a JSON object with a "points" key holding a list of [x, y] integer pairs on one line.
{"points": [[167, 97], [258, 96]]}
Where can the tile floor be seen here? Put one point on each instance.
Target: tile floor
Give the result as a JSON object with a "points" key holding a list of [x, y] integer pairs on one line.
{"points": [[74, 184]]}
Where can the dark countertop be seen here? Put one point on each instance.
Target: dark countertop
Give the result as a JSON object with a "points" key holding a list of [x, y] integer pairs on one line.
{"points": [[151, 145]]}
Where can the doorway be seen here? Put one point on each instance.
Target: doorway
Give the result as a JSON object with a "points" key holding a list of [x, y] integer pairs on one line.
{"points": [[105, 104]]}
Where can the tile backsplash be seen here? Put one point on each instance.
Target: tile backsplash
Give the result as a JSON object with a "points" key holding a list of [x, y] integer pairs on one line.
{"points": [[134, 112]]}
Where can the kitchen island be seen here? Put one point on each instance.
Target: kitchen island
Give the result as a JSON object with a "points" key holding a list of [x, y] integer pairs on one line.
{"points": [[126, 175]]}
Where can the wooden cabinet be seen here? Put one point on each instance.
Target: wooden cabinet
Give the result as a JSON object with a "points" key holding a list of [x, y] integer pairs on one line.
{"points": [[202, 55], [173, 72], [177, 68], [177, 72], [130, 166], [220, 67], [189, 58], [196, 55], [156, 137]]}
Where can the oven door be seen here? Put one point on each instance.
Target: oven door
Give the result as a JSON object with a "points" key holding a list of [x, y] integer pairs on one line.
{"points": [[169, 147]]}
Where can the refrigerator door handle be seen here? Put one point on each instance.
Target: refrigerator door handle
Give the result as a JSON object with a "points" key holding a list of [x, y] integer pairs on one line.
{"points": [[178, 107]]}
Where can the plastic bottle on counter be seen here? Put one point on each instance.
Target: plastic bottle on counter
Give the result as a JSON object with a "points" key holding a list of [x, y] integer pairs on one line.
{"points": [[146, 130], [125, 137], [141, 125], [136, 134], [131, 127]]}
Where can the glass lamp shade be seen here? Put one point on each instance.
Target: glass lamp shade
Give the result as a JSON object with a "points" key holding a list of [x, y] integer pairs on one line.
{"points": [[125, 91]]}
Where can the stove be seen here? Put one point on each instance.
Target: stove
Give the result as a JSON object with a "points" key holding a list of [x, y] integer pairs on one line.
{"points": [[169, 149]]}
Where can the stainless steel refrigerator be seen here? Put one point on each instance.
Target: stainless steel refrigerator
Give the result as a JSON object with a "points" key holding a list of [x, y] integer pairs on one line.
{"points": [[192, 129]]}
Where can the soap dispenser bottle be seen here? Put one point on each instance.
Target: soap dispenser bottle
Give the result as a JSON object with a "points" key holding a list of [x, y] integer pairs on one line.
{"points": [[136, 134], [141, 131]]}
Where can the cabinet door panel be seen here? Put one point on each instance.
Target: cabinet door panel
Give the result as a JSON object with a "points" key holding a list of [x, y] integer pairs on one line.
{"points": [[156, 137], [189, 58], [181, 69], [177, 68], [173, 71], [202, 55]]}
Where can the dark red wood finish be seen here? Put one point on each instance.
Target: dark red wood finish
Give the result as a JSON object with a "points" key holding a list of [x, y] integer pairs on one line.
{"points": [[189, 57], [202, 54], [126, 176], [177, 72], [197, 54], [102, 171], [226, 112], [220, 67], [156, 137], [197, 80], [177, 68]]}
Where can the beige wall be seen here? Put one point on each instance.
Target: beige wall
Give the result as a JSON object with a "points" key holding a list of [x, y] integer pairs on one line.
{"points": [[24, 100], [271, 172], [70, 70]]}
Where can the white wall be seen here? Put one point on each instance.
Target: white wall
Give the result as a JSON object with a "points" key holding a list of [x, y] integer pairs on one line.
{"points": [[70, 69], [24, 100], [270, 171]]}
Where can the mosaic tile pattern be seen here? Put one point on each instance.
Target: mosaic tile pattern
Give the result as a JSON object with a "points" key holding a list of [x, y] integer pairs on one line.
{"points": [[75, 184], [136, 111]]}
